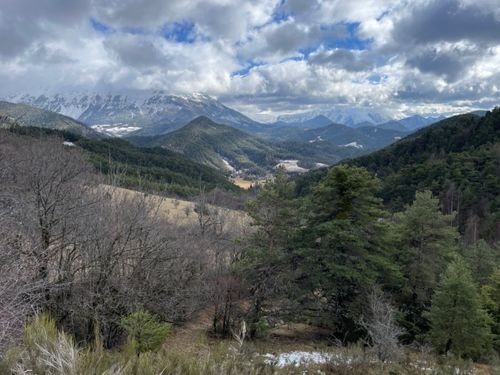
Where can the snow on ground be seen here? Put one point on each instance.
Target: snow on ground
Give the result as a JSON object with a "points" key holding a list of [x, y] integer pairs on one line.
{"points": [[228, 166], [353, 144], [321, 165], [318, 139], [115, 130], [291, 166], [299, 358], [69, 144]]}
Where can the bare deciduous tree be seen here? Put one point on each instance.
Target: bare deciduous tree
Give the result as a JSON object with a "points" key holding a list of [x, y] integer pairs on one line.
{"points": [[382, 327]]}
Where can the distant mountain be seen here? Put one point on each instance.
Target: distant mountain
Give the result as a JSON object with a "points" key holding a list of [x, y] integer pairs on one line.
{"points": [[144, 112], [366, 138], [410, 124], [315, 122], [237, 152], [25, 115], [217, 145], [349, 116]]}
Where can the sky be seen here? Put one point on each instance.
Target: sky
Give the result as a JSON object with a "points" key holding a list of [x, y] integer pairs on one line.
{"points": [[263, 57]]}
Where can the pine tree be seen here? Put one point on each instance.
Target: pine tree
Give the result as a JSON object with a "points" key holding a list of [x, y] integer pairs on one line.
{"points": [[491, 297], [426, 242], [264, 263], [459, 324], [344, 247]]}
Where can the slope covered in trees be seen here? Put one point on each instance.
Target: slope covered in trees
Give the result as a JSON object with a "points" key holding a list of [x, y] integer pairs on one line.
{"points": [[218, 145], [458, 159], [154, 169]]}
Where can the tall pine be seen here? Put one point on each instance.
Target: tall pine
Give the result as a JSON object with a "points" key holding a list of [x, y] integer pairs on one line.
{"points": [[459, 324], [426, 242], [344, 248]]}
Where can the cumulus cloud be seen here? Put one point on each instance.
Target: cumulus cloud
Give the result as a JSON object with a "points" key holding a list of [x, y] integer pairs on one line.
{"points": [[265, 57]]}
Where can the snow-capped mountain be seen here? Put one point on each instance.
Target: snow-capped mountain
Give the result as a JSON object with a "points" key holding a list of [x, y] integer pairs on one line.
{"points": [[350, 116], [411, 123], [149, 112]]}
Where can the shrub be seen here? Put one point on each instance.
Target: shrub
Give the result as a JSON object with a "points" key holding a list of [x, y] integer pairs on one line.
{"points": [[146, 330]]}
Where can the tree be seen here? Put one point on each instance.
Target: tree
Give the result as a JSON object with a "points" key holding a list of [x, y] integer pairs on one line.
{"points": [[264, 261], [344, 248], [382, 328], [426, 242], [491, 295], [459, 324]]}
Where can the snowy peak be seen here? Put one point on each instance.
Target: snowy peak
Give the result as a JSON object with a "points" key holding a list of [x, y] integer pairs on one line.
{"points": [[150, 111], [350, 116]]}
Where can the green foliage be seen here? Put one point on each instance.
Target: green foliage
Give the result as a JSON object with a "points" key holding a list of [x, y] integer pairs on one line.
{"points": [[265, 262], [426, 241], [459, 324], [456, 158], [491, 297], [482, 258], [146, 330], [344, 247]]}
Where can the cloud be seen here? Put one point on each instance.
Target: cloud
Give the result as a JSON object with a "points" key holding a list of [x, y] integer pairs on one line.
{"points": [[355, 61], [264, 56], [449, 21]]}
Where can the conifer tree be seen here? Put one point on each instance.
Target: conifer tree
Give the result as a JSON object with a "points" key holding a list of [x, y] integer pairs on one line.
{"points": [[491, 297], [459, 324], [426, 242]]}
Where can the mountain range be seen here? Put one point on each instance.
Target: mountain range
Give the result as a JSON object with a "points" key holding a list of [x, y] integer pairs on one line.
{"points": [[144, 112], [238, 153], [156, 112]]}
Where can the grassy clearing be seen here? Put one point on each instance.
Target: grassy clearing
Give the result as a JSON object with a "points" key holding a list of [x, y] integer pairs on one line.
{"points": [[182, 212]]}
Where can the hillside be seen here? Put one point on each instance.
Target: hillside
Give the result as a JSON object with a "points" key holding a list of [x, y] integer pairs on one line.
{"points": [[457, 158], [218, 146], [365, 138], [236, 152], [142, 168], [25, 115]]}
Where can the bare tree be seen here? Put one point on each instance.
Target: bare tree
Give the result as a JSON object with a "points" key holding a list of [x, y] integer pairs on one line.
{"points": [[382, 328]]}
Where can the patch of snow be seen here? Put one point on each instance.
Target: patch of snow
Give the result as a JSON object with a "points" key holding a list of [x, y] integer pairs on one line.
{"points": [[353, 144], [69, 144], [291, 166], [115, 130], [321, 165], [228, 166], [298, 358], [318, 139], [397, 138]]}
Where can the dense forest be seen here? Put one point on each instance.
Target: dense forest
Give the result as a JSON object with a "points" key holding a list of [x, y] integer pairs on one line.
{"points": [[380, 253]]}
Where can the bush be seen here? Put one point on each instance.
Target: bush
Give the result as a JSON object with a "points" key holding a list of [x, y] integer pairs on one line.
{"points": [[146, 330]]}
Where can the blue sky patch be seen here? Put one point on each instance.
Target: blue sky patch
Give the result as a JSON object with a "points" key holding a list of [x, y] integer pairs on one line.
{"points": [[246, 70], [376, 79], [180, 32], [101, 27], [350, 40]]}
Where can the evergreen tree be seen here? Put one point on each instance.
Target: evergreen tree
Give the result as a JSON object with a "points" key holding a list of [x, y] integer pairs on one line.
{"points": [[344, 248], [264, 262], [459, 324], [491, 297], [426, 241]]}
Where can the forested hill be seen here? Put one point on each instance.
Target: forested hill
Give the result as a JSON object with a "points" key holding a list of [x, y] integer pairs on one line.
{"points": [[141, 168], [458, 159]]}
